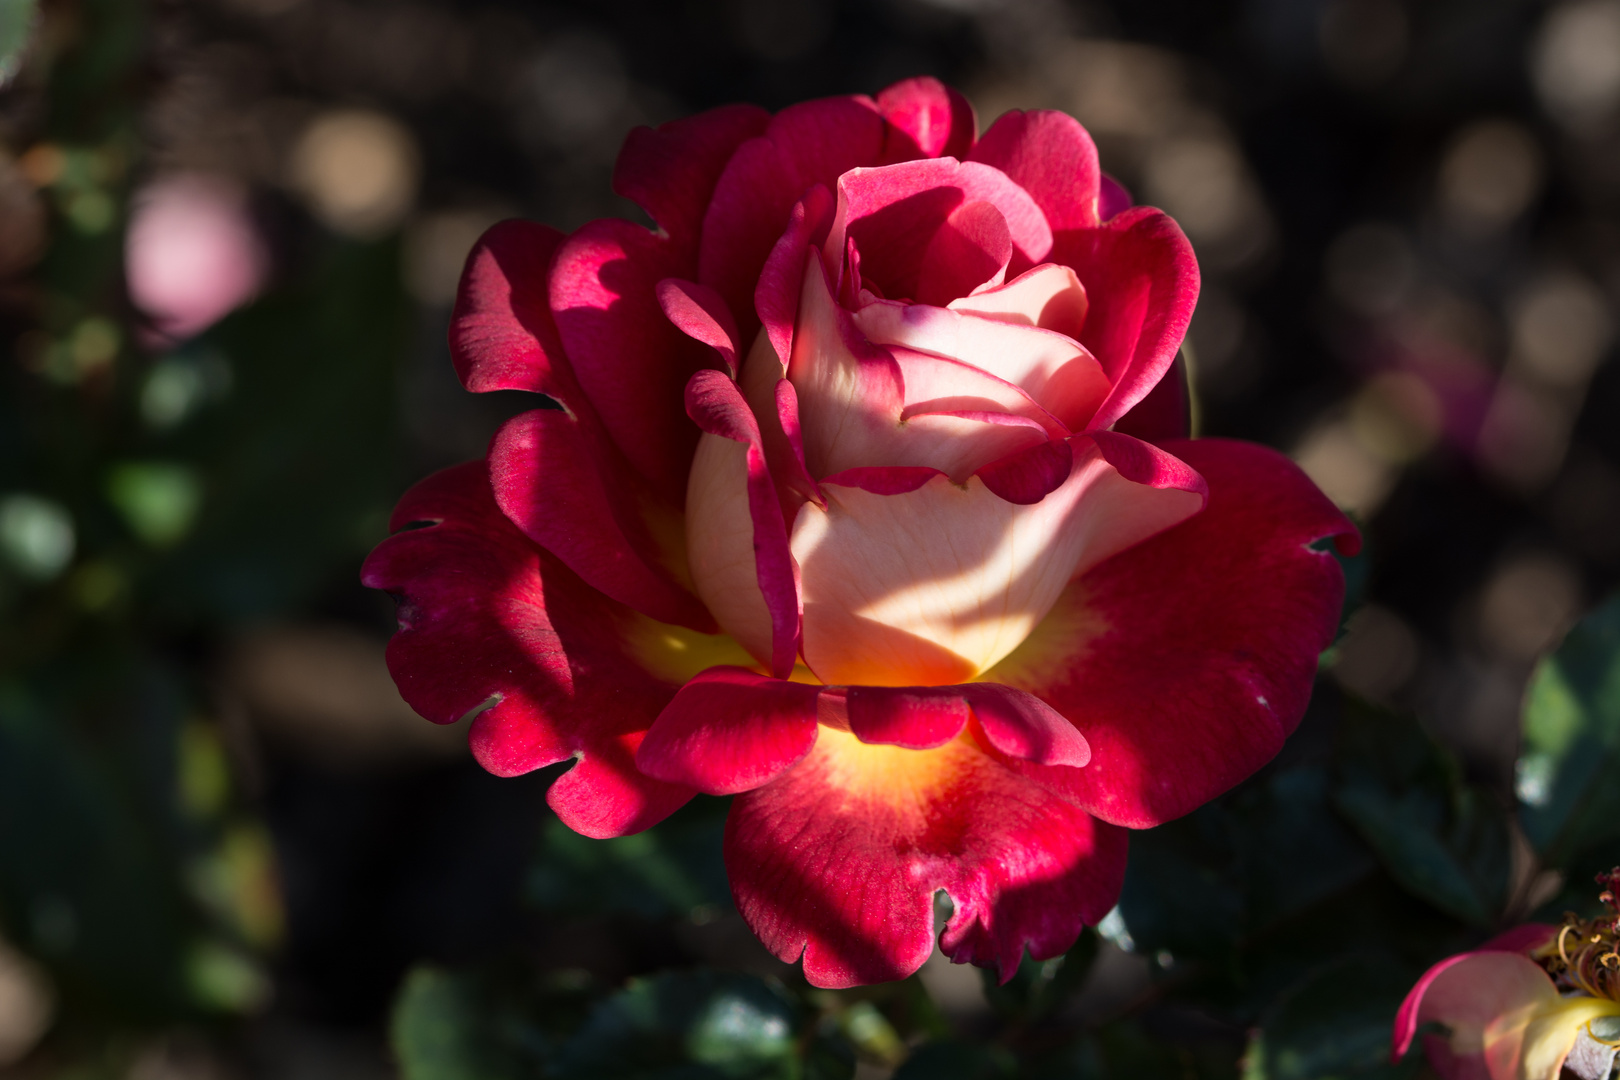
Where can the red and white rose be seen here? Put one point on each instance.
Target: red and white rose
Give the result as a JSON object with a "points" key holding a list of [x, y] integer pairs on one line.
{"points": [[869, 503]]}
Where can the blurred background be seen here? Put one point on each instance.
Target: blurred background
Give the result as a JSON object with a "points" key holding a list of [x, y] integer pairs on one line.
{"points": [[230, 235]]}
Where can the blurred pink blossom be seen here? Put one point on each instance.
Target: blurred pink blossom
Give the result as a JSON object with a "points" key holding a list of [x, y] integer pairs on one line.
{"points": [[192, 253]]}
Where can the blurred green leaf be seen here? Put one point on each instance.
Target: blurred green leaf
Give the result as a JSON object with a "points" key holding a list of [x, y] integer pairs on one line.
{"points": [[158, 499], [89, 891], [1335, 1023], [444, 1027], [958, 1061], [1442, 839], [689, 1025], [1567, 774], [666, 871], [17, 20]]}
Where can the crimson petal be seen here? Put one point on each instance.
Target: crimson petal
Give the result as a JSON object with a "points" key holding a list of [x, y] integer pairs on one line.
{"points": [[490, 624]]}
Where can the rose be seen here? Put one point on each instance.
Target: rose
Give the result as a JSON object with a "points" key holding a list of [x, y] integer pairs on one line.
{"points": [[1506, 1016], [840, 514]]}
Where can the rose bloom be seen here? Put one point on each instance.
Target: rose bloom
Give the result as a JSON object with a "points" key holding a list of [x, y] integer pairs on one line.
{"points": [[867, 502], [1525, 1005]]}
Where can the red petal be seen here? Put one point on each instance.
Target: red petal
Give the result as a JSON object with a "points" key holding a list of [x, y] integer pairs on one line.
{"points": [[1466, 993], [838, 861], [1029, 475], [926, 119], [488, 619], [629, 359], [812, 143], [781, 282], [1141, 280], [1166, 413], [670, 171], [1019, 725], [501, 334], [1187, 659], [737, 539], [698, 312], [731, 730], [1050, 156], [558, 481], [1112, 198]]}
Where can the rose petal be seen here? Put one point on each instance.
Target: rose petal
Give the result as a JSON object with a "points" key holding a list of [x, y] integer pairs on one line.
{"points": [[736, 538], [1521, 939], [894, 211], [838, 861], [1536, 1043], [926, 119], [1112, 198], [1049, 296], [1187, 659], [561, 482], [1050, 156], [812, 143], [731, 730], [1141, 279], [488, 621], [970, 251], [670, 171], [628, 358], [1019, 725], [698, 312], [1052, 369], [502, 336], [1166, 413], [934, 585]]}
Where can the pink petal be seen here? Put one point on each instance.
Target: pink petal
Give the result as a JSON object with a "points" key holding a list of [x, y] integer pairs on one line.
{"points": [[1520, 939], [502, 336], [737, 542], [926, 119], [731, 730], [894, 211], [1187, 659], [934, 585], [1052, 369], [1052, 157], [489, 621], [812, 143], [1112, 198], [838, 861], [1049, 296], [1141, 280], [970, 250], [698, 312], [559, 481], [670, 171], [631, 362], [1466, 993]]}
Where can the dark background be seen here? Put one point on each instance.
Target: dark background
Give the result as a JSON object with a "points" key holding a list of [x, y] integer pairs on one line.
{"points": [[212, 803]]}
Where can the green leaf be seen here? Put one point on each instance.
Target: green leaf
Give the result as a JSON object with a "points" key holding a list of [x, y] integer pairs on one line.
{"points": [[1442, 839], [17, 21], [445, 1027], [667, 871], [690, 1025], [1335, 1023], [1569, 771]]}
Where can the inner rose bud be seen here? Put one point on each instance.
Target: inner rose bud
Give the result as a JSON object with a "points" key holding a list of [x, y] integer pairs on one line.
{"points": [[947, 491]]}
